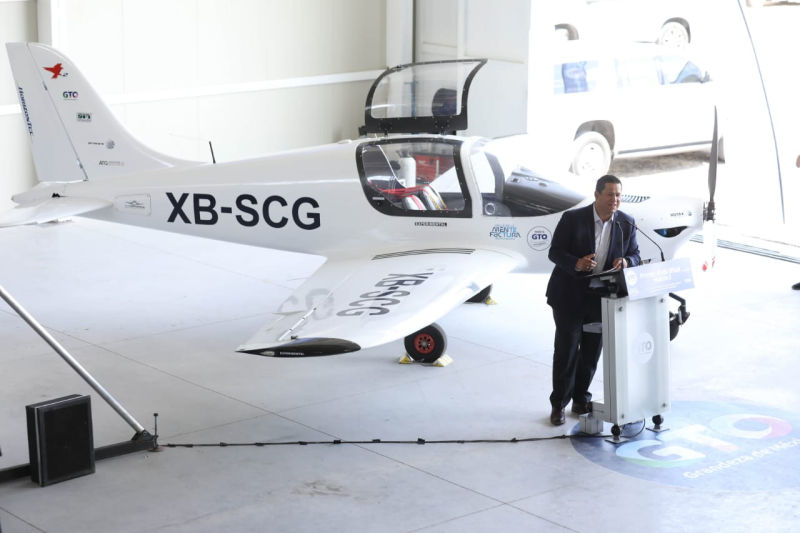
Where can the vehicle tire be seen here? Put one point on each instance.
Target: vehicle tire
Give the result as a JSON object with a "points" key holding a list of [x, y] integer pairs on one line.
{"points": [[481, 296], [427, 344], [592, 155], [673, 34], [565, 32]]}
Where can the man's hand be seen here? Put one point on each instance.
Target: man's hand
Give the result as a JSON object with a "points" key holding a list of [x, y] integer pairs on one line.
{"points": [[620, 263], [585, 263]]}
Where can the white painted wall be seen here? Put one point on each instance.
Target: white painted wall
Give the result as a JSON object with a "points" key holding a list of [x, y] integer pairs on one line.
{"points": [[17, 23], [253, 76], [494, 29]]}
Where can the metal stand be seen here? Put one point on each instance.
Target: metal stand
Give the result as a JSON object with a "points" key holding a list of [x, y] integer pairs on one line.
{"points": [[141, 440]]}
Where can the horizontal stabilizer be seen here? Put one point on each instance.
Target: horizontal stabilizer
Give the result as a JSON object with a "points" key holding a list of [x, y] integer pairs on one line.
{"points": [[50, 209]]}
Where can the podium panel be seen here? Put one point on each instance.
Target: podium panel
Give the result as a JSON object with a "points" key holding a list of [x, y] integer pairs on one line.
{"points": [[635, 359]]}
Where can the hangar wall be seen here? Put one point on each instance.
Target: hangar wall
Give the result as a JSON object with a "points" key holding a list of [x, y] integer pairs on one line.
{"points": [[252, 76], [17, 23], [498, 30]]}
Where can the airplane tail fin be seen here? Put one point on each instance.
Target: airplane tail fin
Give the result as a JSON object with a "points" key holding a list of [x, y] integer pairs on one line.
{"points": [[74, 135]]}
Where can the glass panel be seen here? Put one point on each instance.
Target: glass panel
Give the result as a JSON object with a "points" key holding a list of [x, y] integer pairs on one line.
{"points": [[678, 70], [419, 178], [637, 72], [517, 191], [422, 90], [576, 77]]}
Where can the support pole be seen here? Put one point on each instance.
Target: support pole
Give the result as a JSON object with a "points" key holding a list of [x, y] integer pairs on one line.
{"points": [[32, 322]]}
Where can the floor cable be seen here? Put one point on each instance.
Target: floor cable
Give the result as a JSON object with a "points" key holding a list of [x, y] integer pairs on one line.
{"points": [[418, 441]]}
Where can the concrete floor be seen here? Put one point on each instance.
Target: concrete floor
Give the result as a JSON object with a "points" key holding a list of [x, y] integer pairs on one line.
{"points": [[156, 317]]}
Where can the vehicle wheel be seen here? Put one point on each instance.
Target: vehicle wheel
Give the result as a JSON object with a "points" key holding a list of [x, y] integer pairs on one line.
{"points": [[481, 296], [673, 34], [592, 155], [427, 344], [565, 32]]}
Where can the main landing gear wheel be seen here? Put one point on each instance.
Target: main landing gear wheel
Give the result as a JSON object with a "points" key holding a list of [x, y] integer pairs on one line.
{"points": [[427, 344]]}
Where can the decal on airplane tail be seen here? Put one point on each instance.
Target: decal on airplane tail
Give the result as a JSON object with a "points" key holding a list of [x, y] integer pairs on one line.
{"points": [[74, 136]]}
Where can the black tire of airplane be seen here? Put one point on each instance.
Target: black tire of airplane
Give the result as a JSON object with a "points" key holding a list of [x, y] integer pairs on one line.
{"points": [[427, 344]]}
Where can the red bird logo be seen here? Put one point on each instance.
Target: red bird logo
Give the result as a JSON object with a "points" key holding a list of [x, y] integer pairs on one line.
{"points": [[56, 70]]}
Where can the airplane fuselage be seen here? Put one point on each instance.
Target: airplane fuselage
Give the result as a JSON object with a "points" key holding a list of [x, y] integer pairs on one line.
{"points": [[313, 201]]}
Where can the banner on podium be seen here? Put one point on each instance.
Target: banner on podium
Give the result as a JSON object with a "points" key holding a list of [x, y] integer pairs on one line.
{"points": [[654, 279]]}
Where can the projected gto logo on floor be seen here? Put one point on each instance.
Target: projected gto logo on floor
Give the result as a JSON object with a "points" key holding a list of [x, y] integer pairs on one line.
{"points": [[709, 445]]}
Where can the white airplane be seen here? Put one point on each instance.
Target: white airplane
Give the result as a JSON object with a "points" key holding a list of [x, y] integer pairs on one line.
{"points": [[412, 221]]}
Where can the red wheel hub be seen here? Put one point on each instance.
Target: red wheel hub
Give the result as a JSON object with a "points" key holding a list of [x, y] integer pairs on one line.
{"points": [[424, 343]]}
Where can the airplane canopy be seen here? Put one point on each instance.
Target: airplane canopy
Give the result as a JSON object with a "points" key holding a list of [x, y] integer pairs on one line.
{"points": [[429, 97]]}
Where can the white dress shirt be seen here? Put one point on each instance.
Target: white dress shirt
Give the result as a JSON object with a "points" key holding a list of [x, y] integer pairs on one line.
{"points": [[602, 240]]}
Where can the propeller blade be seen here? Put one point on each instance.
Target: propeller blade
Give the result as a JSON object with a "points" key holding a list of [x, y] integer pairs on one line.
{"points": [[709, 227], [712, 171]]}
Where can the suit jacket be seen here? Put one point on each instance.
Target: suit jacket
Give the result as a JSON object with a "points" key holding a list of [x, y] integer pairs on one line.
{"points": [[573, 239]]}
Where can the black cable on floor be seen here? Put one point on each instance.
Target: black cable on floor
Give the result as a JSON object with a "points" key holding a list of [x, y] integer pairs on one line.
{"points": [[418, 441]]}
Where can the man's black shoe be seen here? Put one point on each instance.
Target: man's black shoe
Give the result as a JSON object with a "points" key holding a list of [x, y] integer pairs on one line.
{"points": [[796, 286], [557, 416], [581, 408]]}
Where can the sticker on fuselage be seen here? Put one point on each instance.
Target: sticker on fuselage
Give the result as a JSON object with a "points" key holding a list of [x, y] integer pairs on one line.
{"points": [[539, 238], [504, 232], [137, 204]]}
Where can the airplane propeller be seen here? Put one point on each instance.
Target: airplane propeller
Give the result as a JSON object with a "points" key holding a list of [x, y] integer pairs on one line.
{"points": [[709, 214]]}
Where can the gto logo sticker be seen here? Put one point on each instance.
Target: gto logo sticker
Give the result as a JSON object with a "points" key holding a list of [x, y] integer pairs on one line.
{"points": [[643, 347], [70, 95], [714, 446], [539, 238]]}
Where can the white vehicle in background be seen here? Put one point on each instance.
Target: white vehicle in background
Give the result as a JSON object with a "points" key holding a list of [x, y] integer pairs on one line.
{"points": [[627, 100], [665, 22]]}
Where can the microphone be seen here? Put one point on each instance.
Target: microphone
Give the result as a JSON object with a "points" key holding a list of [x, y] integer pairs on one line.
{"points": [[634, 226]]}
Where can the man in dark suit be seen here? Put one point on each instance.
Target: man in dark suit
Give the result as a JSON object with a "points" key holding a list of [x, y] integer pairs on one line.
{"points": [[587, 240]]}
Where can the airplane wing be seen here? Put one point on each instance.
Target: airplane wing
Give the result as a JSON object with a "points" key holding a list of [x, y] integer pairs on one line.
{"points": [[50, 209], [352, 304]]}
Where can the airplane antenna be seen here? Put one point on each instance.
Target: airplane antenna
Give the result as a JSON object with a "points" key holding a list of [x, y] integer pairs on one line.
{"points": [[210, 147]]}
